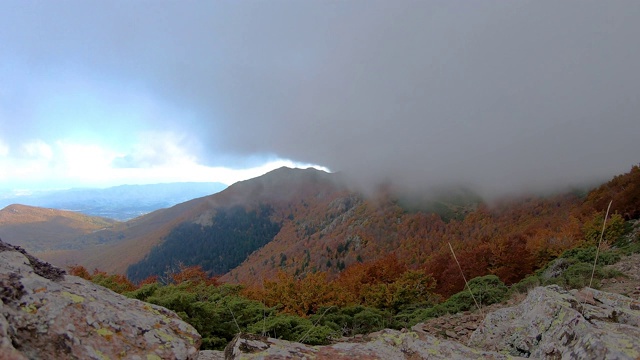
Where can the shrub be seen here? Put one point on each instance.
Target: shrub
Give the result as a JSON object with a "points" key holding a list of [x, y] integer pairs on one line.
{"points": [[292, 328], [487, 290], [614, 229], [352, 320], [588, 255], [525, 285], [578, 275]]}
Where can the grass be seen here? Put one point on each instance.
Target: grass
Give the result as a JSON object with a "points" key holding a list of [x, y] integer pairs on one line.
{"points": [[465, 280], [604, 225]]}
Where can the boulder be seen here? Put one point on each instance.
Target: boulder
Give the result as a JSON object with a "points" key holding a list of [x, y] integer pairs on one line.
{"points": [[211, 355], [384, 345], [46, 314], [553, 323]]}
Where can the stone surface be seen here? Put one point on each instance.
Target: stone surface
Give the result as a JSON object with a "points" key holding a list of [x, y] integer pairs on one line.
{"points": [[384, 345], [211, 355], [554, 323], [458, 326], [46, 314], [628, 285]]}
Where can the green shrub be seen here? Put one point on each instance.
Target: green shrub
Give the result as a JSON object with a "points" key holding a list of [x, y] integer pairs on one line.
{"points": [[143, 292], [525, 285], [588, 255], [487, 290], [578, 275], [352, 320], [631, 248], [614, 229], [410, 317], [293, 328]]}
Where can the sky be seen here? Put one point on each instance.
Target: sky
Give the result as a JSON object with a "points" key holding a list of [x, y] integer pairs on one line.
{"points": [[501, 96]]}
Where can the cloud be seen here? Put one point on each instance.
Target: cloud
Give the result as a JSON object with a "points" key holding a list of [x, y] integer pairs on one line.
{"points": [[4, 149], [37, 150], [156, 149], [158, 157], [500, 96]]}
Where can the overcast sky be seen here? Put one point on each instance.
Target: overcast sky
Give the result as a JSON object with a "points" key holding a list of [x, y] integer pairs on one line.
{"points": [[502, 95]]}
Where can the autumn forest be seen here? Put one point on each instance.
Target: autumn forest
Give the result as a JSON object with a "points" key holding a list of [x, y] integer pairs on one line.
{"points": [[313, 268]]}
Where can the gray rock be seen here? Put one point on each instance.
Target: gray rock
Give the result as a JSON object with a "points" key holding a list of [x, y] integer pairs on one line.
{"points": [[555, 323], [383, 345], [49, 315], [555, 269], [211, 355]]}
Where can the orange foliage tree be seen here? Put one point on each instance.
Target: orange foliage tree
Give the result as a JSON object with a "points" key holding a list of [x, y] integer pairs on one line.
{"points": [[194, 274], [297, 296]]}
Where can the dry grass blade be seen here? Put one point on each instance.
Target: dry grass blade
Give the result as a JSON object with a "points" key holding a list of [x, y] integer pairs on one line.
{"points": [[234, 319], [465, 280], [314, 325], [595, 261]]}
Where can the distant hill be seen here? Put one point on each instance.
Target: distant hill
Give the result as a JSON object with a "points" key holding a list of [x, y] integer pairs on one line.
{"points": [[38, 229], [122, 203]]}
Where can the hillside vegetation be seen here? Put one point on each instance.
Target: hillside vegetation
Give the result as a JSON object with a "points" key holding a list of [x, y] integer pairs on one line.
{"points": [[504, 249]]}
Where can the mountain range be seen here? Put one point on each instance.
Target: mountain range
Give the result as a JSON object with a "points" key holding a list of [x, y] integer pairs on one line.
{"points": [[302, 221], [121, 203]]}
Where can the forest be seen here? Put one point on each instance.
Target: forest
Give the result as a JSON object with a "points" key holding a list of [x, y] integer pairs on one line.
{"points": [[502, 250], [233, 234]]}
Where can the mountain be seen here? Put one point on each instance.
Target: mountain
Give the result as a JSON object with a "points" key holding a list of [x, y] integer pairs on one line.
{"points": [[292, 220], [276, 191], [38, 229], [298, 222], [121, 202]]}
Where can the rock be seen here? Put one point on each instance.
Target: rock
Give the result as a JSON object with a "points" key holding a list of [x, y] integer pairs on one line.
{"points": [[555, 269], [451, 334], [46, 314], [211, 355], [384, 345], [550, 323]]}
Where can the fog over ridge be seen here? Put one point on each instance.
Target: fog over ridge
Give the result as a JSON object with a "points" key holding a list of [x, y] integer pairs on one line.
{"points": [[499, 96]]}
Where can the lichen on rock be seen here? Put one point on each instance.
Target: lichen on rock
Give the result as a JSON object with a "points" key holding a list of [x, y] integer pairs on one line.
{"points": [[553, 322], [46, 314]]}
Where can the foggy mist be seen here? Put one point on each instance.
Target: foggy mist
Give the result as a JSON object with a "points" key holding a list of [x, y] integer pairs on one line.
{"points": [[500, 96]]}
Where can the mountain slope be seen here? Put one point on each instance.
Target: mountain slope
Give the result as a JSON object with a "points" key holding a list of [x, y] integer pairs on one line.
{"points": [[137, 237], [323, 226], [38, 229]]}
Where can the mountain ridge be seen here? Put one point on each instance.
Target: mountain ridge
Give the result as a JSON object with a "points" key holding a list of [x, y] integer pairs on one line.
{"points": [[123, 202], [326, 226]]}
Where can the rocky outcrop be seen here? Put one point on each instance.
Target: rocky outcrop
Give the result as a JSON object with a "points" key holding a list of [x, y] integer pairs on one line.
{"points": [[551, 323], [211, 355], [383, 345], [46, 314], [554, 323]]}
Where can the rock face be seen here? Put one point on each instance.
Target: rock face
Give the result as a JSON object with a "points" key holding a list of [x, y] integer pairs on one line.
{"points": [[553, 323], [46, 314], [383, 345]]}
